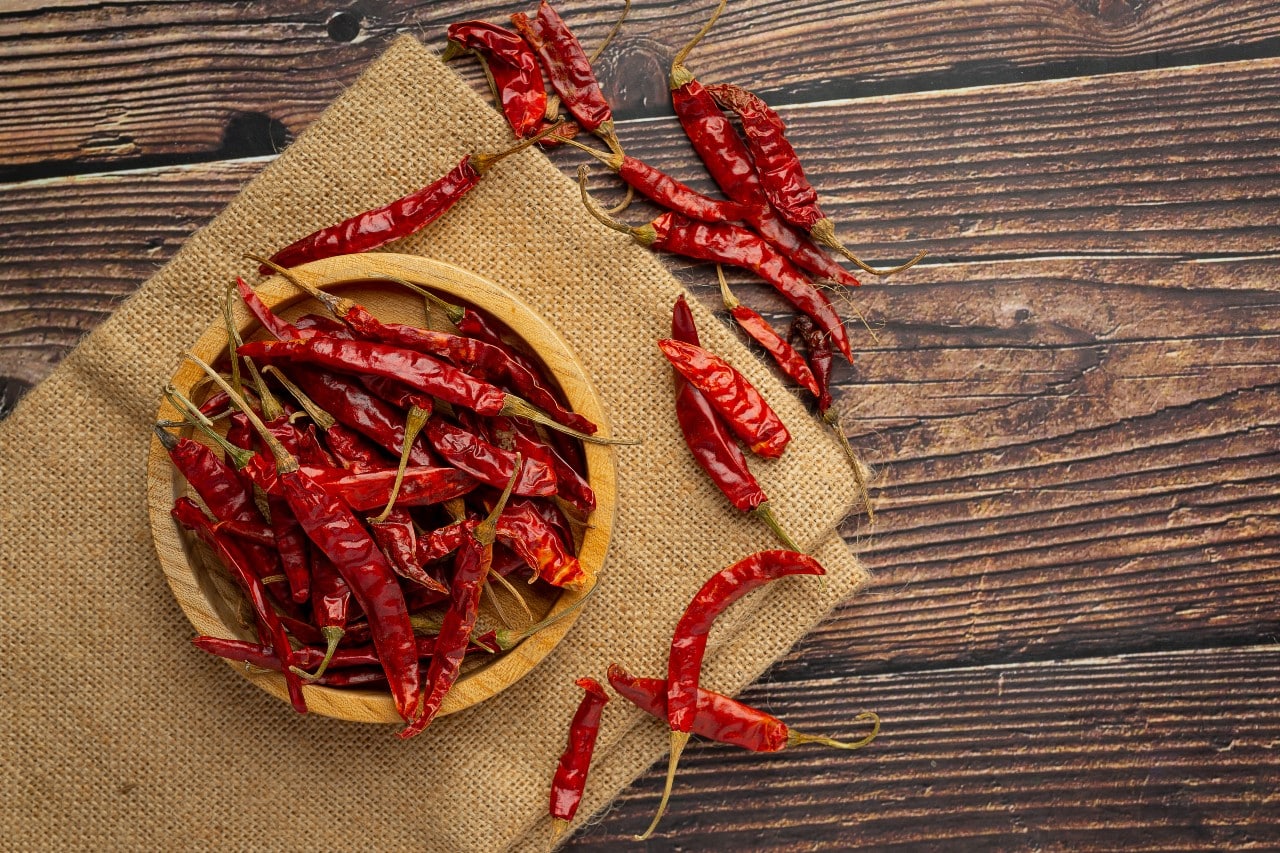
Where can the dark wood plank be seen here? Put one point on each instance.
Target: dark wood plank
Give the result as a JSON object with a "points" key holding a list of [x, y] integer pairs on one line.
{"points": [[145, 83], [1148, 752]]}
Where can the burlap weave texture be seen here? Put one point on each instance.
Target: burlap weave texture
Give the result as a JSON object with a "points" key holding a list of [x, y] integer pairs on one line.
{"points": [[116, 733]]}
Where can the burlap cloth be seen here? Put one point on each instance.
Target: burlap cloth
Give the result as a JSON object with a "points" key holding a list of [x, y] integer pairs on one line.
{"points": [[117, 733]]}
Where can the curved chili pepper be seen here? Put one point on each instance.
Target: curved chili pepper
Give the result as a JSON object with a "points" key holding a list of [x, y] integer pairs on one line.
{"points": [[470, 568], [782, 178], [569, 70], [247, 531], [330, 607], [784, 355], [270, 628], [571, 770], [731, 245], [335, 530], [400, 543], [400, 218], [571, 486], [725, 720], [709, 441], [689, 642], [523, 529], [487, 463], [738, 402], [368, 490], [517, 78]]}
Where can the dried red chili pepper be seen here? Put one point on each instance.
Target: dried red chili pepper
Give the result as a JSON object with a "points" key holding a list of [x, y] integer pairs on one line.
{"points": [[270, 628], [713, 448], [744, 411], [365, 413], [569, 70], [400, 218], [399, 542], [416, 369], [571, 486], [470, 568], [689, 641], [518, 83], [247, 531], [731, 245], [440, 543], [725, 720], [330, 607], [332, 527], [523, 529], [784, 355], [265, 657], [782, 178], [487, 463], [571, 770], [820, 358], [369, 490]]}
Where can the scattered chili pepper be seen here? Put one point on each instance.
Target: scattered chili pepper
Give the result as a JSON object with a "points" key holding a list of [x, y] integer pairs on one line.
{"points": [[744, 411], [571, 770], [782, 178], [332, 527], [713, 448], [689, 641], [569, 70], [725, 720], [470, 568], [732, 245], [784, 355], [518, 83], [400, 218]]}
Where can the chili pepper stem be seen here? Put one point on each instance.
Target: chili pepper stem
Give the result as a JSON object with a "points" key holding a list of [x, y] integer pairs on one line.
{"points": [[413, 424], [229, 318], [824, 231], [507, 639], [558, 826], [679, 74], [595, 54], [765, 513], [515, 407], [678, 742], [726, 296], [239, 456], [645, 235], [487, 530], [626, 201], [795, 738], [332, 636], [318, 416], [285, 462], [484, 162], [452, 50], [859, 476]]}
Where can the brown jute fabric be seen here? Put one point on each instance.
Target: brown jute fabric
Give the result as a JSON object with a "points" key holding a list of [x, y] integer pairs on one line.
{"points": [[116, 733]]}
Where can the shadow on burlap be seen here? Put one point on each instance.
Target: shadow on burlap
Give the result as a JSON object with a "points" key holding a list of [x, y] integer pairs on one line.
{"points": [[118, 733]]}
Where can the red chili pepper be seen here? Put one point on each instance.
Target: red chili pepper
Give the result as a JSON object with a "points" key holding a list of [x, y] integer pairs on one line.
{"points": [[330, 607], [332, 527], [689, 641], [713, 448], [731, 245], [470, 569], [571, 486], [725, 720], [571, 770], [569, 70], [440, 543], [782, 178], [270, 628], [525, 531], [400, 218], [247, 531], [306, 656], [399, 542], [784, 355], [369, 490], [514, 69], [738, 402], [487, 463]]}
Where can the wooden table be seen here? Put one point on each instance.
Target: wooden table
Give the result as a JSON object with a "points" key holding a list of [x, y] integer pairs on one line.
{"points": [[1072, 405]]}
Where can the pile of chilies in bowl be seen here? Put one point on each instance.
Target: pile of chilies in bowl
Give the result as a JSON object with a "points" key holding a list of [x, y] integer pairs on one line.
{"points": [[769, 224]]}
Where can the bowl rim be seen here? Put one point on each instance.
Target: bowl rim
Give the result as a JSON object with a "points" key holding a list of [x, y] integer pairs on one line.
{"points": [[164, 483]]}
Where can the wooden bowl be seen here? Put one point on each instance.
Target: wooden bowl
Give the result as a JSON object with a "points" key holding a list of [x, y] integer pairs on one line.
{"points": [[209, 598]]}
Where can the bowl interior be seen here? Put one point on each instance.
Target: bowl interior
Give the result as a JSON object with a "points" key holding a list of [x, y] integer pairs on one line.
{"points": [[210, 599]]}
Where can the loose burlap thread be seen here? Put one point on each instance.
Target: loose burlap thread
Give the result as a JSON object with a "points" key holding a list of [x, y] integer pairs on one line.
{"points": [[117, 733]]}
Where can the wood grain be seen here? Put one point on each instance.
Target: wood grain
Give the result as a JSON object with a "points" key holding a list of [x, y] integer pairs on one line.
{"points": [[145, 83], [1139, 752]]}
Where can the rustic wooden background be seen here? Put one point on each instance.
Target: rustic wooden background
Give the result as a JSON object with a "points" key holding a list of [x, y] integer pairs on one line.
{"points": [[1072, 405]]}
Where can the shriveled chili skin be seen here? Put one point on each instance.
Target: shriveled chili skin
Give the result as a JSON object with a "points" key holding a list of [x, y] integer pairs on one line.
{"points": [[660, 187], [710, 442], [489, 464], [356, 408], [689, 641], [717, 717], [820, 357], [440, 542], [745, 412], [736, 246], [330, 595], [570, 779], [784, 355], [364, 492], [571, 486], [567, 65], [470, 567], [422, 371], [338, 533], [522, 528], [373, 228], [521, 90]]}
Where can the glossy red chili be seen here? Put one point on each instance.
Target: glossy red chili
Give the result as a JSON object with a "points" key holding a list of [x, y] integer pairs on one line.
{"points": [[513, 67], [523, 529], [358, 409], [725, 720], [571, 486], [570, 778], [689, 641], [487, 463], [370, 490], [745, 412], [784, 355]]}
